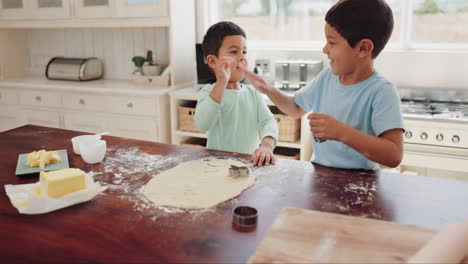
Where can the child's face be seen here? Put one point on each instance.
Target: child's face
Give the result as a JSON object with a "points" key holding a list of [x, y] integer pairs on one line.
{"points": [[234, 47], [343, 58]]}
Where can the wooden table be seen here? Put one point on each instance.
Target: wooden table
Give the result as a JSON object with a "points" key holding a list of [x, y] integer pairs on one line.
{"points": [[121, 226]]}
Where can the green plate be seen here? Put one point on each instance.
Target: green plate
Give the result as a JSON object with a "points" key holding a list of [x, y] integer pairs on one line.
{"points": [[22, 168]]}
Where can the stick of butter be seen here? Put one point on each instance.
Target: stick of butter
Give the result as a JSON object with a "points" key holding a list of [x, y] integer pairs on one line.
{"points": [[61, 182]]}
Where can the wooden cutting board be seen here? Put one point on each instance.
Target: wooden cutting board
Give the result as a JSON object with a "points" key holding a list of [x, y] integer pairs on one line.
{"points": [[305, 236]]}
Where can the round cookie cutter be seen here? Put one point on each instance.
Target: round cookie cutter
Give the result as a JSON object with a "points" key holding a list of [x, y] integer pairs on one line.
{"points": [[244, 218]]}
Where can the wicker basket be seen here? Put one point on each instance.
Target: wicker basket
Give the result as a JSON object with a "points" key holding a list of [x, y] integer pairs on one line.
{"points": [[289, 128], [186, 119], [195, 142], [287, 153]]}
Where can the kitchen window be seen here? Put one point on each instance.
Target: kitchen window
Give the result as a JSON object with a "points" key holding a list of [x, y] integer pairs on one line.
{"points": [[419, 24]]}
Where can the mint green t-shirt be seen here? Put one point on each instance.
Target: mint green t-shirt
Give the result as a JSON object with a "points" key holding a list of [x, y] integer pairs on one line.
{"points": [[238, 123]]}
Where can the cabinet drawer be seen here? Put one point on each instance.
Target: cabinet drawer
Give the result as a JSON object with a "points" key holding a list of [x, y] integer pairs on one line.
{"points": [[8, 97], [134, 106], [39, 98], [84, 102]]}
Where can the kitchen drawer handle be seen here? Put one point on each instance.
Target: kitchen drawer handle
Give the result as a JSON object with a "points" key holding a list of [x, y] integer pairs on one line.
{"points": [[82, 101], [130, 105], [38, 98]]}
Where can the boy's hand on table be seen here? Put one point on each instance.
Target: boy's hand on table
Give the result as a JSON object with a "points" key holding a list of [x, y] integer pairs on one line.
{"points": [[256, 81], [325, 127], [263, 156]]}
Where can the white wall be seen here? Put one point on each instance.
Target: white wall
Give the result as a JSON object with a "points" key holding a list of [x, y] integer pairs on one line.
{"points": [[12, 53], [115, 46]]}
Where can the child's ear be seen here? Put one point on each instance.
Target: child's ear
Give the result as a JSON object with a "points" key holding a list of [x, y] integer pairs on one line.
{"points": [[211, 61], [365, 47]]}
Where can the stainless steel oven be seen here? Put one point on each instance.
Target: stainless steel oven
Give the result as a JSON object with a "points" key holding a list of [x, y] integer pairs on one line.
{"points": [[436, 136]]}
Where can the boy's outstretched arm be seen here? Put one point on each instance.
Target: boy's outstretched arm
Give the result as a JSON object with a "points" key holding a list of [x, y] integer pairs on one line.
{"points": [[386, 149], [283, 101]]}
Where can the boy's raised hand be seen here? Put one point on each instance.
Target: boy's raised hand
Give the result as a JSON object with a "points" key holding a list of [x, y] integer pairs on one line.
{"points": [[223, 69], [325, 127], [263, 156], [256, 80]]}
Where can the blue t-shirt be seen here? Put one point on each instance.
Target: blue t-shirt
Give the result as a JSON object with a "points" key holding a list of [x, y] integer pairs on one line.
{"points": [[371, 106]]}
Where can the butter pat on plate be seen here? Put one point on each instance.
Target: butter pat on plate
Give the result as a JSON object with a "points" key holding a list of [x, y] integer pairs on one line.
{"points": [[42, 158], [61, 182], [22, 167]]}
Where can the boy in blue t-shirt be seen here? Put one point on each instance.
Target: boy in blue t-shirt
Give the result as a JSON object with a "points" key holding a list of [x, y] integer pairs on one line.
{"points": [[355, 111]]}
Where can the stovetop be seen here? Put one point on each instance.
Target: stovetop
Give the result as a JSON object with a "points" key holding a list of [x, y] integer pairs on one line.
{"points": [[435, 104], [439, 110]]}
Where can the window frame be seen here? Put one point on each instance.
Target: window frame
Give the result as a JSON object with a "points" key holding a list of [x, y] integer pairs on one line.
{"points": [[406, 43]]}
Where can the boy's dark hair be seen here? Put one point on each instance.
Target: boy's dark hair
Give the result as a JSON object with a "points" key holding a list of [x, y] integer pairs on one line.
{"points": [[215, 35], [362, 19]]}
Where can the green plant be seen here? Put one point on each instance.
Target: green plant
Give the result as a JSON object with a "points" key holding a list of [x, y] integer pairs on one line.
{"points": [[149, 56], [139, 61]]}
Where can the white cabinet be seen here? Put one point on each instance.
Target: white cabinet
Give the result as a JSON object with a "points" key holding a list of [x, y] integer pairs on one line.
{"points": [[120, 8], [95, 8], [101, 9], [86, 122], [39, 117], [132, 112], [8, 117], [39, 98], [133, 127], [133, 105], [143, 8], [34, 9], [8, 109], [50, 9], [14, 9]]}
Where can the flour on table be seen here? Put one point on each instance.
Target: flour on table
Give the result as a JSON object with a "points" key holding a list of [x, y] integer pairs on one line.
{"points": [[126, 170], [197, 184]]}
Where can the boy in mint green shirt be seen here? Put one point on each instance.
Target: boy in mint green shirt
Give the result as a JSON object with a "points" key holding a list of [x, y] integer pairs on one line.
{"points": [[234, 116]]}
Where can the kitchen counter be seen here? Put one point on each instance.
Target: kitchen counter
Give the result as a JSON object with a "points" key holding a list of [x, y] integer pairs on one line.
{"points": [[120, 225], [96, 86]]}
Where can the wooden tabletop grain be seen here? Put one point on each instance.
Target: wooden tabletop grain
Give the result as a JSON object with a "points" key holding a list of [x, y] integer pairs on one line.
{"points": [[121, 226]]}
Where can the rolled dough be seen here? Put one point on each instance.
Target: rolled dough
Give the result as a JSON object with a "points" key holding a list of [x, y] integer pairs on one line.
{"points": [[197, 184]]}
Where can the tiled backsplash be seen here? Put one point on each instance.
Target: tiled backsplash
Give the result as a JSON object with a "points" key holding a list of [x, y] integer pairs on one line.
{"points": [[115, 47]]}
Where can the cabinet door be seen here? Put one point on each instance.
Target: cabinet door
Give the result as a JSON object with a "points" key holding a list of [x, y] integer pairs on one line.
{"points": [[50, 9], [95, 8], [14, 9], [8, 117], [133, 127], [39, 118], [143, 8], [86, 122], [8, 97]]}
